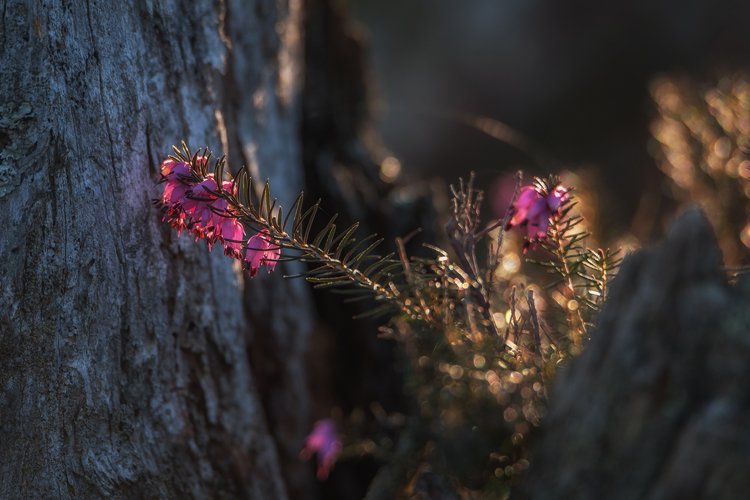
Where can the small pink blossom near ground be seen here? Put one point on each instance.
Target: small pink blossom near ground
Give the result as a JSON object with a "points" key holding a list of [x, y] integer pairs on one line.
{"points": [[534, 209], [192, 203], [324, 442]]}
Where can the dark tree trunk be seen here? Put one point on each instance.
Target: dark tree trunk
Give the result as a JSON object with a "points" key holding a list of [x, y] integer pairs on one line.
{"points": [[341, 156], [125, 352], [658, 405], [352, 368]]}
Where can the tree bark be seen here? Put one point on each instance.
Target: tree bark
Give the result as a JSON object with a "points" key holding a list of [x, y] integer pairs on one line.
{"points": [[657, 406], [125, 351]]}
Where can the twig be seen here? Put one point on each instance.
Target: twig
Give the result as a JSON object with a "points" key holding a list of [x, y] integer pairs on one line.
{"points": [[534, 323], [494, 257], [537, 339]]}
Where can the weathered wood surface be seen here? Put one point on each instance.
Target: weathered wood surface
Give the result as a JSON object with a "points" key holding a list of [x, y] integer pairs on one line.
{"points": [[658, 405], [125, 351]]}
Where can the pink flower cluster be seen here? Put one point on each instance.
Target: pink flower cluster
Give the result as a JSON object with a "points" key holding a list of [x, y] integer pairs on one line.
{"points": [[192, 203], [324, 442], [533, 210]]}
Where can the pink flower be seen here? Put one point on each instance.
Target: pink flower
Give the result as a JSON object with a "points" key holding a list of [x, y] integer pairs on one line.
{"points": [[177, 185], [193, 205], [169, 164], [261, 250], [224, 226], [324, 442], [199, 197], [232, 234], [177, 181], [557, 197], [229, 187], [534, 209], [175, 192], [272, 257], [203, 207]]}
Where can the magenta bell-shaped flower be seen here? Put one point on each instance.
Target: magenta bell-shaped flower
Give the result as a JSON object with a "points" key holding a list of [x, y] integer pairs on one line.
{"points": [[261, 250], [323, 441], [196, 206], [534, 209]]}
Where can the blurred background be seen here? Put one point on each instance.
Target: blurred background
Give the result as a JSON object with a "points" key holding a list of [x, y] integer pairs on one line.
{"points": [[642, 106], [573, 80]]}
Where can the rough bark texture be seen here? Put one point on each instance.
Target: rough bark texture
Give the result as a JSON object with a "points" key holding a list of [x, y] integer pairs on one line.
{"points": [[125, 365], [657, 407]]}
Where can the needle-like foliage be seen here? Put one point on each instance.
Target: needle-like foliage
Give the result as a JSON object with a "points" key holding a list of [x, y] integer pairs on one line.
{"points": [[480, 350]]}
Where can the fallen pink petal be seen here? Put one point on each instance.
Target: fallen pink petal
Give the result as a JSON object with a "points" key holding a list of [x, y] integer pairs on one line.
{"points": [[324, 443]]}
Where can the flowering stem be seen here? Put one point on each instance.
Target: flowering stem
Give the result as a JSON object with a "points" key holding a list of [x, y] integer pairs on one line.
{"points": [[317, 255], [579, 329]]}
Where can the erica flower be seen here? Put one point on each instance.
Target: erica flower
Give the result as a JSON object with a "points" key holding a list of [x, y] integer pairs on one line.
{"points": [[199, 197], [534, 208], [194, 205], [169, 164], [261, 251], [324, 442], [206, 210], [177, 177], [193, 199], [232, 234]]}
